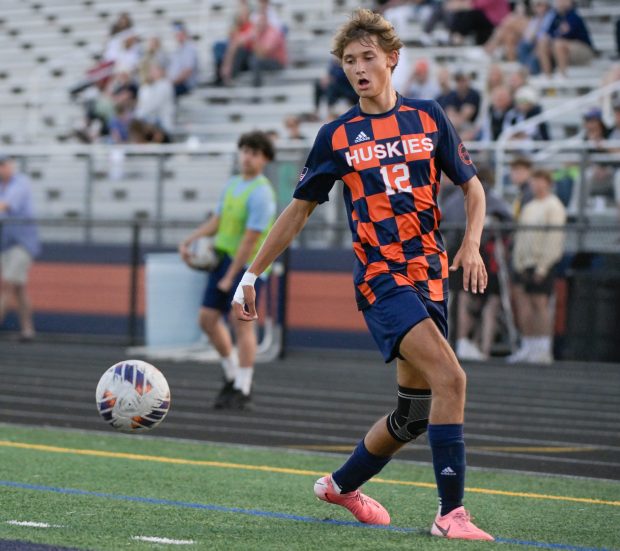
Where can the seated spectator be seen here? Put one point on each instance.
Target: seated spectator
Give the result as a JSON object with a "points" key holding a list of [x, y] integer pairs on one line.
{"points": [[293, 129], [118, 32], [129, 54], [118, 126], [517, 79], [268, 51], [477, 17], [183, 64], [496, 118], [599, 177], [153, 55], [495, 77], [444, 80], [526, 107], [421, 84], [141, 132], [224, 51], [507, 35], [463, 103], [156, 100], [567, 41], [266, 9], [537, 28], [333, 87]]}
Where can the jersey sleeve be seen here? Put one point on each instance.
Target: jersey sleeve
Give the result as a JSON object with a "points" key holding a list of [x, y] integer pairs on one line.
{"points": [[452, 155], [261, 209], [320, 171]]}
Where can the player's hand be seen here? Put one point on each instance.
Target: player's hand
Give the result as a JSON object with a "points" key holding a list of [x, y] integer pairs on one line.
{"points": [[474, 272], [225, 284], [244, 300], [184, 251]]}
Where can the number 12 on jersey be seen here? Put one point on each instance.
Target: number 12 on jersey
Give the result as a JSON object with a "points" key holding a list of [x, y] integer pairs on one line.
{"points": [[396, 178]]}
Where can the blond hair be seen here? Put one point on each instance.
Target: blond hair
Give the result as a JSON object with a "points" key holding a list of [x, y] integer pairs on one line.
{"points": [[363, 25]]}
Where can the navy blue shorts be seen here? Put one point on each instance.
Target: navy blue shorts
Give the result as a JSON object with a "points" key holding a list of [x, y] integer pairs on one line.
{"points": [[216, 299], [391, 317]]}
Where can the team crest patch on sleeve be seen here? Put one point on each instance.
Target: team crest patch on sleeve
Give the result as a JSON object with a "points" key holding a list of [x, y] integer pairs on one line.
{"points": [[464, 154], [303, 173]]}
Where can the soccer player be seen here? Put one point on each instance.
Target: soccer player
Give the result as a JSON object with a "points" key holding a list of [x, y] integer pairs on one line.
{"points": [[389, 151], [244, 216]]}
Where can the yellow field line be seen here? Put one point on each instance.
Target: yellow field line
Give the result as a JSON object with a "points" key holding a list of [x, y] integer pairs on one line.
{"points": [[270, 469]]}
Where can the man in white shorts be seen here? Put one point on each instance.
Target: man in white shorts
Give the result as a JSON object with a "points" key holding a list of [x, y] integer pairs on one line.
{"points": [[19, 244]]}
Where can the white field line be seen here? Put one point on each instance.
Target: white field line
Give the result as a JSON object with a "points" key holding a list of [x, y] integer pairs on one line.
{"points": [[153, 539], [32, 524]]}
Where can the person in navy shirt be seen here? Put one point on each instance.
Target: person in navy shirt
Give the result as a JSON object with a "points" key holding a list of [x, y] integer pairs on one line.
{"points": [[567, 41], [19, 243], [390, 152]]}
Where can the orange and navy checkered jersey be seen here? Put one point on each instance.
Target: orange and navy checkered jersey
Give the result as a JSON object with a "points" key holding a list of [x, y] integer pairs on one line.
{"points": [[390, 165]]}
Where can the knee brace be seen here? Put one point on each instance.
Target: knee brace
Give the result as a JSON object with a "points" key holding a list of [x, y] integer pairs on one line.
{"points": [[410, 418]]}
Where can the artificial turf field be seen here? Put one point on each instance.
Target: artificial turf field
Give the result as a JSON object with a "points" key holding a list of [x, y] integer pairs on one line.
{"points": [[92, 490]]}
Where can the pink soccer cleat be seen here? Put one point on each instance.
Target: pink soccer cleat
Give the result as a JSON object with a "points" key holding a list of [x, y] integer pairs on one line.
{"points": [[457, 524], [364, 508]]}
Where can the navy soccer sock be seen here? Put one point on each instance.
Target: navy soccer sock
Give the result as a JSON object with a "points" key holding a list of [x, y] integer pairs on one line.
{"points": [[359, 468], [448, 449]]}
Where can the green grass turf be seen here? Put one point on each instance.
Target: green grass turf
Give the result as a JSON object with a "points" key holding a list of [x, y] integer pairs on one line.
{"points": [[97, 523]]}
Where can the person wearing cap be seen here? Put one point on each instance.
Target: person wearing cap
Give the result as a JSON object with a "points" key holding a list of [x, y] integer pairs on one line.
{"points": [[183, 63], [526, 106], [19, 244], [463, 102]]}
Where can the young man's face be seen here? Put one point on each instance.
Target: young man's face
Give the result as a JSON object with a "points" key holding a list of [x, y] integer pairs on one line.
{"points": [[540, 187], [252, 161], [368, 67]]}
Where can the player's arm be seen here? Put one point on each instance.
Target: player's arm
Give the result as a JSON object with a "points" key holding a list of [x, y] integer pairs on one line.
{"points": [[287, 226], [207, 229], [468, 256]]}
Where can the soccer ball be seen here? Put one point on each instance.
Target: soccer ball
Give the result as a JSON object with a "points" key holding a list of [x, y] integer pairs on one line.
{"points": [[133, 396], [203, 255]]}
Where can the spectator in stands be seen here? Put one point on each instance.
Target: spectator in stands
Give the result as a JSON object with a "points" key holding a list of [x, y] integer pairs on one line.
{"points": [[122, 23], [517, 79], [526, 107], [333, 87], [567, 41], [535, 256], [118, 126], [141, 132], [537, 28], [292, 124], [268, 49], [183, 64], [156, 100], [444, 80], [267, 10], [495, 77], [477, 17], [599, 176], [518, 33], [463, 103], [19, 244], [129, 54], [153, 55], [496, 119], [237, 45], [519, 184], [120, 29], [421, 84], [243, 218]]}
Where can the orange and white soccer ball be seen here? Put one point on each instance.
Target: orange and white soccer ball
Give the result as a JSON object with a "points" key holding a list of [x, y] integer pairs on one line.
{"points": [[133, 396]]}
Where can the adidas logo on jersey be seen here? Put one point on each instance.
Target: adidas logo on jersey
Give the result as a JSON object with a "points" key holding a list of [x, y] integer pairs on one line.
{"points": [[448, 472], [361, 137]]}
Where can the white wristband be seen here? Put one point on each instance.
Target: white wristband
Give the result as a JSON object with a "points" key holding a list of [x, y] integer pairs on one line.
{"points": [[248, 279]]}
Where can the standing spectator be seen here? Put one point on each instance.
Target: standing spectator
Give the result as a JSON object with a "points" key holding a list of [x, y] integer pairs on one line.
{"points": [[520, 177], [526, 107], [19, 245], [183, 63], [334, 86], [567, 42], [477, 17], [243, 218], [535, 256], [463, 103], [268, 51], [421, 84], [156, 100]]}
